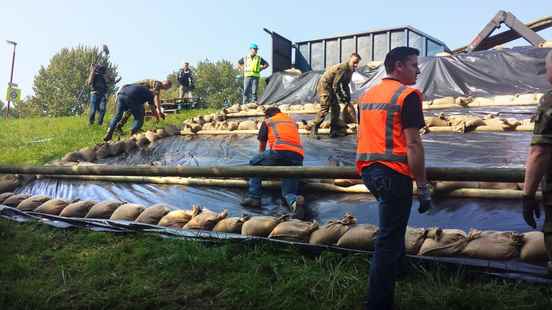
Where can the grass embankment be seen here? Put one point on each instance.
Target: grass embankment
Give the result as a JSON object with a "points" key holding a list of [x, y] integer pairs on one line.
{"points": [[48, 268]]}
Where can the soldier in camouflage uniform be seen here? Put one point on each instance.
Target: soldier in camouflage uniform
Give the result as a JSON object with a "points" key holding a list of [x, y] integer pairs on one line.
{"points": [[539, 167], [333, 89], [155, 86]]}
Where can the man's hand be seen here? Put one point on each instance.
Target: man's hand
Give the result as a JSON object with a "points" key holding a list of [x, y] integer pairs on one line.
{"points": [[161, 114], [530, 210], [424, 197]]}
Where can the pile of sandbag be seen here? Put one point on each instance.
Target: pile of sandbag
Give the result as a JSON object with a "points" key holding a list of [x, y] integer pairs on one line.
{"points": [[500, 100], [466, 123], [344, 232]]}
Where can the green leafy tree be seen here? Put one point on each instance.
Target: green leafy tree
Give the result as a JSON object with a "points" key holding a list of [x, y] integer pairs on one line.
{"points": [[60, 89]]}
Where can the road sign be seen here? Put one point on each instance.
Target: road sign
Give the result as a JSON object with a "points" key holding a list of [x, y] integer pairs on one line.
{"points": [[13, 94]]}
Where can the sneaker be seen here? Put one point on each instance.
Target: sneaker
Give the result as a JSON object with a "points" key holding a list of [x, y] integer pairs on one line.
{"points": [[298, 207], [250, 202]]}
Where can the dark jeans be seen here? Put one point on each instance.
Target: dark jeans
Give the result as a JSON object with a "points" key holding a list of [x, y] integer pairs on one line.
{"points": [[394, 194], [290, 186], [250, 86], [135, 108], [97, 104]]}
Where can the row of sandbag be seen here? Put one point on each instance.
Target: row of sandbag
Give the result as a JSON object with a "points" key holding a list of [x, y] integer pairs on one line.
{"points": [[344, 232], [501, 100], [116, 148], [466, 123]]}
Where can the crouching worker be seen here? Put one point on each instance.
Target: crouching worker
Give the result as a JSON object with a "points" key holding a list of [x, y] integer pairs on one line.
{"points": [[131, 98], [286, 149]]}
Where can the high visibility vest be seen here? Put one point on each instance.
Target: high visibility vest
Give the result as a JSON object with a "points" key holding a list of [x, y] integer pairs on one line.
{"points": [[283, 134], [252, 66], [380, 138]]}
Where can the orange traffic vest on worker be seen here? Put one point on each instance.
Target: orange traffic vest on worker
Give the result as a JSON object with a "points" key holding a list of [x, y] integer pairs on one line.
{"points": [[380, 138], [283, 134]]}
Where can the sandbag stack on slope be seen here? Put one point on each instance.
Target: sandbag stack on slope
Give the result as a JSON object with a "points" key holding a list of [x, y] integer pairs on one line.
{"points": [[32, 202], [179, 218], [330, 233], [359, 237], [261, 226], [205, 220], [231, 224], [127, 212], [52, 207], [78, 209], [493, 244], [14, 200], [4, 196], [153, 214], [294, 230], [104, 209], [443, 242]]}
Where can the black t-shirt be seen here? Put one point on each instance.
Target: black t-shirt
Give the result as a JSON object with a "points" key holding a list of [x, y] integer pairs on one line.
{"points": [[263, 133], [412, 115], [99, 83], [137, 94]]}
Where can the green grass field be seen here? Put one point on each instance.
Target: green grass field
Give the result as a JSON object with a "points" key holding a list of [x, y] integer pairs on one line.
{"points": [[47, 268]]}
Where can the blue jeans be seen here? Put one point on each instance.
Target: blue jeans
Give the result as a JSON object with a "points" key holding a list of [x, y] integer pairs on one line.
{"points": [[290, 186], [250, 86], [97, 104], [135, 108], [394, 194]]}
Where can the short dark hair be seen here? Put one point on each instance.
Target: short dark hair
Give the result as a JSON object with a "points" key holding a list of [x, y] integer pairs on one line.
{"points": [[356, 55], [401, 54], [270, 112]]}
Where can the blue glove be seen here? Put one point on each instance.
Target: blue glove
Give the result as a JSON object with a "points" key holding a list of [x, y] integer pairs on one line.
{"points": [[424, 197]]}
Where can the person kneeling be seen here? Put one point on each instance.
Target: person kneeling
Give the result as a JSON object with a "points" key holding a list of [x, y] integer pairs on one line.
{"points": [[282, 135]]}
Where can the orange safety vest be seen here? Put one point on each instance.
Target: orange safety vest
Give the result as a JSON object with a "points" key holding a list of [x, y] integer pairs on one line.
{"points": [[380, 138], [283, 134]]}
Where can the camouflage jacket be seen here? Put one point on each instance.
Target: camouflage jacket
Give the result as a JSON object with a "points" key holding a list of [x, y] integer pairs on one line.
{"points": [[335, 81], [542, 134]]}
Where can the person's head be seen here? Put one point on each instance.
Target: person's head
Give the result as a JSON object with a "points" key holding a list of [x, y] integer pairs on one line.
{"points": [[253, 49], [401, 63], [185, 66], [354, 60], [166, 84], [270, 112], [548, 64]]}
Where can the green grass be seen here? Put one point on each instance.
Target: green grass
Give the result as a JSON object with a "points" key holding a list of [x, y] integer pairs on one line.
{"points": [[34, 141], [47, 268]]}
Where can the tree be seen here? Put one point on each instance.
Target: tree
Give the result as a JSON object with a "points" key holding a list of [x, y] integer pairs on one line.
{"points": [[215, 82], [58, 86]]}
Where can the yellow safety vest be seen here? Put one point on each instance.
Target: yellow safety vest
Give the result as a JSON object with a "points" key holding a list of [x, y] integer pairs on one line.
{"points": [[252, 66]]}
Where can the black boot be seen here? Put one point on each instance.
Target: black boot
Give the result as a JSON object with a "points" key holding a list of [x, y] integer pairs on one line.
{"points": [[109, 135]]}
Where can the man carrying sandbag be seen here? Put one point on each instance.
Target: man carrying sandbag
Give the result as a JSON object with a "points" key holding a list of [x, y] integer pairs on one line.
{"points": [[282, 135], [539, 167], [390, 154], [131, 98], [333, 89]]}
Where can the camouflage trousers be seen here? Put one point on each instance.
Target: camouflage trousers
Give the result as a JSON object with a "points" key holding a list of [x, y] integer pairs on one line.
{"points": [[328, 103], [547, 203]]}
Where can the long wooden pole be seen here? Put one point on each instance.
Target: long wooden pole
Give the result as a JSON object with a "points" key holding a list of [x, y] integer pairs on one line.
{"points": [[322, 172]]}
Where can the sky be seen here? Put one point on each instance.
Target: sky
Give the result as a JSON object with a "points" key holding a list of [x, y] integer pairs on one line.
{"points": [[150, 39]]}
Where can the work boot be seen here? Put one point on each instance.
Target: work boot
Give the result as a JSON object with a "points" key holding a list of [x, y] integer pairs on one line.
{"points": [[251, 202], [298, 207], [314, 132], [338, 133], [109, 135]]}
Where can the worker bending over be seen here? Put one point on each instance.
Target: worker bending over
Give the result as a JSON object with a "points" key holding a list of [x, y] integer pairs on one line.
{"points": [[282, 135]]}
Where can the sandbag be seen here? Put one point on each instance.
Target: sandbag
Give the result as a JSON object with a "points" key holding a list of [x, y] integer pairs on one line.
{"points": [[127, 212], [294, 230], [179, 218], [233, 126], [104, 209], [251, 105], [261, 226], [14, 200], [32, 202], [308, 107], [141, 140], [463, 101], [525, 99], [52, 207], [208, 118], [247, 125], [5, 196], [296, 107], [443, 242], [78, 209], [494, 245], [437, 121], [205, 220], [359, 237], [503, 100], [209, 126], [469, 122], [446, 101], [88, 154], [348, 114], [219, 117], [152, 136], [482, 102], [103, 151], [161, 133], [414, 238], [534, 249], [73, 156], [283, 107], [232, 109], [153, 214], [330, 233], [117, 148], [231, 225], [173, 130], [9, 182], [130, 146], [222, 125], [498, 124]]}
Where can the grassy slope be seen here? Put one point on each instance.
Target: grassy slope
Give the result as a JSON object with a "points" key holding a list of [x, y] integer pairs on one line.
{"points": [[45, 268]]}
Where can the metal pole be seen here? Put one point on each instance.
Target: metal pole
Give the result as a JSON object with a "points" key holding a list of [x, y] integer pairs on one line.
{"points": [[11, 74], [514, 175]]}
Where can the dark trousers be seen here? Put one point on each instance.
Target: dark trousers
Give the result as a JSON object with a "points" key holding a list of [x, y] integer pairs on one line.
{"points": [[290, 186], [250, 86], [394, 194], [135, 108], [97, 104]]}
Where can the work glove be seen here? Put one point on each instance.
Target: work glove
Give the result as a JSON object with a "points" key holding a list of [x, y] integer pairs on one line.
{"points": [[530, 210], [424, 197]]}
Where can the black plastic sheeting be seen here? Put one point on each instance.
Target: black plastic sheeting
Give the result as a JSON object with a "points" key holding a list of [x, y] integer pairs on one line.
{"points": [[479, 74]]}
